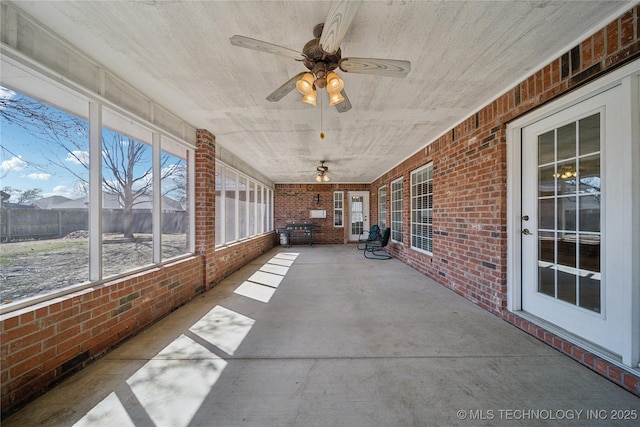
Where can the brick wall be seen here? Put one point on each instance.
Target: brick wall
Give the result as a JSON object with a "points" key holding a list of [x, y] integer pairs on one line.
{"points": [[470, 185], [292, 203], [231, 258], [43, 344]]}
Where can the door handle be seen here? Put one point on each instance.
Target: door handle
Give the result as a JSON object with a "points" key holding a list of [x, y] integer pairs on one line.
{"points": [[526, 232]]}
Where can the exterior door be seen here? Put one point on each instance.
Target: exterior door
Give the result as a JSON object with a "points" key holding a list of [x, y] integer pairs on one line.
{"points": [[358, 213], [570, 238]]}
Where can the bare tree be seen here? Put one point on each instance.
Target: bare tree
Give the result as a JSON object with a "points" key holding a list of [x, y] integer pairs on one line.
{"points": [[127, 173], [24, 196]]}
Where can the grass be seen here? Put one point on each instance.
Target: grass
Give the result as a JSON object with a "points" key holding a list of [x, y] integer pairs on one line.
{"points": [[18, 249]]}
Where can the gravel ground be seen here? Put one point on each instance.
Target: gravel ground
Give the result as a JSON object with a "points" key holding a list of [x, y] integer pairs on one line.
{"points": [[38, 267]]}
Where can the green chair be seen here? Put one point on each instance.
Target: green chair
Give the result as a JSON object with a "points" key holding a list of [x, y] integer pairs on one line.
{"points": [[372, 234], [375, 248]]}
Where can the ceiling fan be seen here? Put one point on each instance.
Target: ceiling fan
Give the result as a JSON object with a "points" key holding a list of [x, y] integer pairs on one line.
{"points": [[322, 55]]}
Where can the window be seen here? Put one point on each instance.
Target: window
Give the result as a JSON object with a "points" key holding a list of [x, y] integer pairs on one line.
{"points": [[422, 209], [173, 184], [127, 201], [396, 210], [338, 208], [243, 206], [49, 209], [382, 207], [243, 209]]}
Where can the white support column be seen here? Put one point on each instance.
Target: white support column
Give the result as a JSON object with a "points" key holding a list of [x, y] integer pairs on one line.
{"points": [[191, 200], [631, 338], [156, 221], [95, 191]]}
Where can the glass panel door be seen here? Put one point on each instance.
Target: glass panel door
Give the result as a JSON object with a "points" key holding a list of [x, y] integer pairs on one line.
{"points": [[569, 195], [358, 213], [571, 177]]}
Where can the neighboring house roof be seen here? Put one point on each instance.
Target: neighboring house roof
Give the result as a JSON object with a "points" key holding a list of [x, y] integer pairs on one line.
{"points": [[48, 202], [109, 201]]}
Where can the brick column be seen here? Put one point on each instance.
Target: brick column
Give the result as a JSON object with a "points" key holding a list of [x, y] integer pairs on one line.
{"points": [[205, 215]]}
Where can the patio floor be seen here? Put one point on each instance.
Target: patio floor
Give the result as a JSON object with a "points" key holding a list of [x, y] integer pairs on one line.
{"points": [[321, 336]]}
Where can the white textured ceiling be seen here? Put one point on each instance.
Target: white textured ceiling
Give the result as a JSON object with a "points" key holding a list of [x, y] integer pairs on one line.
{"points": [[462, 53]]}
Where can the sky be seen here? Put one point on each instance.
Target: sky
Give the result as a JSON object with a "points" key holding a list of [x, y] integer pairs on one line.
{"points": [[28, 161]]}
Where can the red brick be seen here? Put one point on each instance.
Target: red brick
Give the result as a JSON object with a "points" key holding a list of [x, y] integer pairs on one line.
{"points": [[612, 38]]}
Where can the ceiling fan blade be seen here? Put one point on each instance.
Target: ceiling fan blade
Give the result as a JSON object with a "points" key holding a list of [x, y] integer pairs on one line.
{"points": [[345, 105], [261, 46], [279, 93], [379, 67], [337, 24]]}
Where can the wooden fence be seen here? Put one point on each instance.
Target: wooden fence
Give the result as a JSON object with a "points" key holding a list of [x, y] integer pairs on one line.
{"points": [[35, 224]]}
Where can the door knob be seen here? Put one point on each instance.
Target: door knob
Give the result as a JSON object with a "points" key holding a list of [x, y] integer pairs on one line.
{"points": [[526, 232]]}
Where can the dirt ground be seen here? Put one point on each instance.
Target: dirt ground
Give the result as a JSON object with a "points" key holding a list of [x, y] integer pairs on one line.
{"points": [[38, 267]]}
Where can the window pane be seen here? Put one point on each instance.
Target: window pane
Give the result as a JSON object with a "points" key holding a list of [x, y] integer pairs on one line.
{"points": [[569, 214], [396, 210], [261, 208], [230, 207], [566, 142], [219, 202], [421, 208], [382, 207], [45, 218], [243, 207], [127, 203], [175, 220], [590, 134], [338, 208]]}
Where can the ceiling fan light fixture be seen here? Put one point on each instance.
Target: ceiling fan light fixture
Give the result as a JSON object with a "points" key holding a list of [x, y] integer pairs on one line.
{"points": [[322, 174], [334, 86], [305, 87]]}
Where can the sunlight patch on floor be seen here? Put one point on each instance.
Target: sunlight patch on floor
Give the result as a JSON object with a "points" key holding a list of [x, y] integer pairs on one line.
{"points": [[223, 328], [255, 291], [108, 413], [262, 284]]}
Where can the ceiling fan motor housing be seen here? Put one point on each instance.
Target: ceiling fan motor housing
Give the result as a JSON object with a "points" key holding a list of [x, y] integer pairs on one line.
{"points": [[317, 59]]}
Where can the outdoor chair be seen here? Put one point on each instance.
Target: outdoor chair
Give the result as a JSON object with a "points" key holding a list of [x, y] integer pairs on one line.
{"points": [[372, 234], [375, 248]]}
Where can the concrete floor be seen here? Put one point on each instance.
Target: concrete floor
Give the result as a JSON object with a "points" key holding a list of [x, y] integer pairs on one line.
{"points": [[324, 337]]}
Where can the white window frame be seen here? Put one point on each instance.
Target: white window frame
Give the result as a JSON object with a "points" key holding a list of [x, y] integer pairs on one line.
{"points": [[338, 206], [418, 208], [382, 207], [396, 196], [260, 217]]}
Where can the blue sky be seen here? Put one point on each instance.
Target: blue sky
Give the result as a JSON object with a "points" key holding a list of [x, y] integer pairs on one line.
{"points": [[28, 161]]}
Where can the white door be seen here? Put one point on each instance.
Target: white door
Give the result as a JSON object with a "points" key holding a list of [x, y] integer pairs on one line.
{"points": [[358, 213], [570, 175]]}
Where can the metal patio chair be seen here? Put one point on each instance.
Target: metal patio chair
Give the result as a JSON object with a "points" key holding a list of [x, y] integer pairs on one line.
{"points": [[372, 234], [375, 248]]}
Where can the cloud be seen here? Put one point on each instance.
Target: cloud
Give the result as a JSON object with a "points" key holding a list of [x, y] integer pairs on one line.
{"points": [[63, 190], [78, 157], [14, 164], [6, 93], [39, 176]]}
